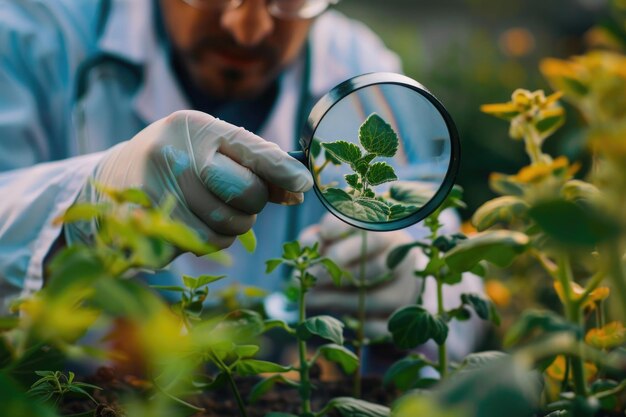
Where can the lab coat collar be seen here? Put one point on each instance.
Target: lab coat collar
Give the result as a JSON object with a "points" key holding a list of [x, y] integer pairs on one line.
{"points": [[130, 34]]}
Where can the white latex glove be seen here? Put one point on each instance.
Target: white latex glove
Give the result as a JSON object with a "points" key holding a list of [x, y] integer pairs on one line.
{"points": [[220, 174], [342, 243]]}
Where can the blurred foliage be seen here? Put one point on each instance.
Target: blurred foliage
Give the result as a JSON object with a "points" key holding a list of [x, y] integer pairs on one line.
{"points": [[470, 52]]}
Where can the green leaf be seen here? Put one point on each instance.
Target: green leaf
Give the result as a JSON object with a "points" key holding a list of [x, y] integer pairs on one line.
{"points": [[363, 165], [404, 374], [291, 250], [266, 385], [248, 240], [353, 181], [82, 212], [333, 269], [326, 327], [573, 225], [244, 351], [495, 387], [168, 288], [351, 407], [499, 247], [201, 281], [479, 360], [479, 304], [348, 361], [551, 121], [499, 210], [316, 147], [344, 151], [400, 210], [134, 196], [279, 414], [248, 367], [270, 324], [397, 255], [272, 264], [377, 137], [380, 173], [533, 321], [366, 209], [412, 192], [577, 190], [412, 326]]}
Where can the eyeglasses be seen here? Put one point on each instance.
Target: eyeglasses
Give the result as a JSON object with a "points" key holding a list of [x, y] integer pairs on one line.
{"points": [[281, 9]]}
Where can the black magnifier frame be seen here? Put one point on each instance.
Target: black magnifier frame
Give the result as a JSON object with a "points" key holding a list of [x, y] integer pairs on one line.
{"points": [[334, 96]]}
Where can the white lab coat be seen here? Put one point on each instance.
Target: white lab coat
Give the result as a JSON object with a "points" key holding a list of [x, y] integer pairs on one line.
{"points": [[47, 114]]}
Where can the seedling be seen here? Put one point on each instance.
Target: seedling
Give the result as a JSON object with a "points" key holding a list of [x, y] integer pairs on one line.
{"points": [[54, 385], [359, 200], [325, 327]]}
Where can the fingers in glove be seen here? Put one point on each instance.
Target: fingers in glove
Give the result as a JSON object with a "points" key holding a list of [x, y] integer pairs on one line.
{"points": [[212, 237], [264, 158], [234, 184], [217, 215]]}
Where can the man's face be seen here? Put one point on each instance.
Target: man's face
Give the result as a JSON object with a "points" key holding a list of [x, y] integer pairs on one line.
{"points": [[234, 53]]}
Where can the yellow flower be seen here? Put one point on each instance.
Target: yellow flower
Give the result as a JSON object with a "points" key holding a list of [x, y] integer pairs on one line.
{"points": [[538, 172], [608, 336]]}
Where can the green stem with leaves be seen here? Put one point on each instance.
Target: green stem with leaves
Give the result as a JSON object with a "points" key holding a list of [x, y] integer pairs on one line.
{"points": [[573, 313], [305, 381], [222, 367], [360, 331]]}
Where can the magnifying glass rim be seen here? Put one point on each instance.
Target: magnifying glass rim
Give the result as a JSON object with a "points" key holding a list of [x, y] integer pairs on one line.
{"points": [[338, 93]]}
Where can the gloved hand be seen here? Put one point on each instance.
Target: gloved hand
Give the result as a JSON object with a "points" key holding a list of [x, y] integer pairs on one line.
{"points": [[342, 243], [221, 175]]}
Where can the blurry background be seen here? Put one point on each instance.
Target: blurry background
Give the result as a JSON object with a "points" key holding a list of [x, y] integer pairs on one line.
{"points": [[471, 52]]}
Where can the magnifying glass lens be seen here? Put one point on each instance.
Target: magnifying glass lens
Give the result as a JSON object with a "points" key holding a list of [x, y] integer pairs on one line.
{"points": [[383, 155]]}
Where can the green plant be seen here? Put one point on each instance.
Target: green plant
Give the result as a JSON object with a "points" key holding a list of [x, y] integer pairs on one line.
{"points": [[325, 327], [449, 256], [229, 355], [84, 287], [54, 385], [359, 200]]}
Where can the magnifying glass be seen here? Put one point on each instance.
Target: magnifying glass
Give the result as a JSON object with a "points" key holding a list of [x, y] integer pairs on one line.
{"points": [[383, 151]]}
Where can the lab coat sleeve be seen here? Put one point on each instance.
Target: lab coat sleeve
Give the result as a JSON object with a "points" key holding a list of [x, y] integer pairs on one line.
{"points": [[35, 79], [37, 196]]}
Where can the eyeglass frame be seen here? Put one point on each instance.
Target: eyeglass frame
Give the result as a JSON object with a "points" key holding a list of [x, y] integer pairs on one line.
{"points": [[234, 4]]}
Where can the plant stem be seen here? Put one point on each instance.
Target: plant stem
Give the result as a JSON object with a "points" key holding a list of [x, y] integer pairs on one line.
{"points": [[443, 354], [231, 382], [305, 384], [360, 331], [533, 147], [573, 314]]}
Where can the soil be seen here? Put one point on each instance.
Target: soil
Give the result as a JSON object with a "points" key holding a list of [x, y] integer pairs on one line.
{"points": [[220, 402]]}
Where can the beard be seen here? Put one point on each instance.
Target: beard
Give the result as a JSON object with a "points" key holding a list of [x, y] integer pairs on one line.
{"points": [[236, 79]]}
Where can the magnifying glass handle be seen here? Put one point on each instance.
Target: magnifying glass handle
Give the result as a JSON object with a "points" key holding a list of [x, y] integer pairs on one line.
{"points": [[299, 155]]}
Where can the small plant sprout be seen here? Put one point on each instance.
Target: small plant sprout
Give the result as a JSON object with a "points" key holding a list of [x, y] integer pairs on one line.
{"points": [[54, 385], [226, 355], [324, 327], [359, 200]]}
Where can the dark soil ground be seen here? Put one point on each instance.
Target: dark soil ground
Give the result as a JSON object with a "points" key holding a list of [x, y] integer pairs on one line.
{"points": [[220, 402]]}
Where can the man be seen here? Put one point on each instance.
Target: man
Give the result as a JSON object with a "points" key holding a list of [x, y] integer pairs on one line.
{"points": [[78, 79]]}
